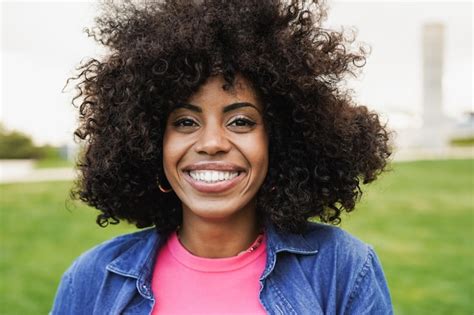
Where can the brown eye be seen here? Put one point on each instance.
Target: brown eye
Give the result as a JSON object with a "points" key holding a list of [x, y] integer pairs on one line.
{"points": [[242, 122], [185, 122]]}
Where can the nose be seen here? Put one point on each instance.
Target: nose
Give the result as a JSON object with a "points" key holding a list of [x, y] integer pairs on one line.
{"points": [[212, 140]]}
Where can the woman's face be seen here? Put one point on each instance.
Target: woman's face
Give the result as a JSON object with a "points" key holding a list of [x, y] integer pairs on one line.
{"points": [[215, 150]]}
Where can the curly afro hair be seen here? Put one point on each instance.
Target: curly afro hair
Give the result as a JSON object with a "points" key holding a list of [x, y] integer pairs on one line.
{"points": [[322, 145]]}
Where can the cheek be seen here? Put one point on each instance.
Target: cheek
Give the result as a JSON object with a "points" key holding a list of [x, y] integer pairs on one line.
{"points": [[171, 151], [175, 148], [263, 155], [256, 151]]}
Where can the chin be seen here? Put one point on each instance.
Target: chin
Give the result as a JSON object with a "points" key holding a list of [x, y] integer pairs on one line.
{"points": [[217, 210]]}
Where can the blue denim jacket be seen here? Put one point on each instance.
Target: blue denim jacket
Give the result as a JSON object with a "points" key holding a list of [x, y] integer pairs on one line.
{"points": [[323, 271]]}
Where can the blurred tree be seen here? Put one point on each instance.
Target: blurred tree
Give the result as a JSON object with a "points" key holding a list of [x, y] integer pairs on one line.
{"points": [[17, 145], [463, 141]]}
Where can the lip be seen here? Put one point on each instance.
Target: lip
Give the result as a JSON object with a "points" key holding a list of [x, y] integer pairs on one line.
{"points": [[217, 187]]}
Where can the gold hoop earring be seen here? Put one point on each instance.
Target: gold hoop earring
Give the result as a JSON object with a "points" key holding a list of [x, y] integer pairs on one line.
{"points": [[163, 190]]}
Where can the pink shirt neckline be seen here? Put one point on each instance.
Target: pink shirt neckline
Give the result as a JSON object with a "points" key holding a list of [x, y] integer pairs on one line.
{"points": [[187, 259]]}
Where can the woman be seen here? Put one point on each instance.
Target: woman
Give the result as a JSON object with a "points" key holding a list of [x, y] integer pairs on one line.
{"points": [[224, 125]]}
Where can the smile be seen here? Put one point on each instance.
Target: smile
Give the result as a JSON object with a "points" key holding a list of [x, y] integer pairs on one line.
{"points": [[209, 176], [212, 181]]}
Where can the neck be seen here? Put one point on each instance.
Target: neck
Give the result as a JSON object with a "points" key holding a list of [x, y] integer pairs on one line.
{"points": [[218, 238]]}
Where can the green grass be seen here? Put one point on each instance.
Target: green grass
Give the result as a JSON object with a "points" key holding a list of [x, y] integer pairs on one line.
{"points": [[419, 217], [39, 239]]}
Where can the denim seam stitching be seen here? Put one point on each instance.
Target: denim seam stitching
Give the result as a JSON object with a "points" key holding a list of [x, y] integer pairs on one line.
{"points": [[71, 291], [282, 298], [360, 277]]}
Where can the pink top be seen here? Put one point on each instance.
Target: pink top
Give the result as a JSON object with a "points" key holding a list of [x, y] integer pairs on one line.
{"points": [[187, 284]]}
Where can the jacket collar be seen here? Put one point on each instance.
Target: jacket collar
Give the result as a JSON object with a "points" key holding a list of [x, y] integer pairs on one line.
{"points": [[138, 260], [285, 242], [289, 242]]}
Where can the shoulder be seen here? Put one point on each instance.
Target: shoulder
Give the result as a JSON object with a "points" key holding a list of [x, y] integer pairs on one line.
{"points": [[347, 255], [83, 284], [332, 239], [339, 251], [324, 247], [98, 257], [361, 283]]}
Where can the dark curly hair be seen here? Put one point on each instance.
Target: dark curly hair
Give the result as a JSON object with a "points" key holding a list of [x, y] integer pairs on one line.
{"points": [[322, 146]]}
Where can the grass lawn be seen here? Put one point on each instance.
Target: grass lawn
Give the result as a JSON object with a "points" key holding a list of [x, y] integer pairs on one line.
{"points": [[419, 217]]}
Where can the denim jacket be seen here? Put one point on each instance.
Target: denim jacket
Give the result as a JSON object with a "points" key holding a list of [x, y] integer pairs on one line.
{"points": [[323, 271]]}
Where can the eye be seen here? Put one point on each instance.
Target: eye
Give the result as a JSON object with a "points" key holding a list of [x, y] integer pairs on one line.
{"points": [[241, 122], [185, 122]]}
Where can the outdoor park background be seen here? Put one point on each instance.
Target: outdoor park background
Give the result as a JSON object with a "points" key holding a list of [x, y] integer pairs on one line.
{"points": [[419, 216]]}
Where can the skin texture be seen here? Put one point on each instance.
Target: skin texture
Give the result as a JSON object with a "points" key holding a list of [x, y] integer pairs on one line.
{"points": [[322, 146], [217, 224]]}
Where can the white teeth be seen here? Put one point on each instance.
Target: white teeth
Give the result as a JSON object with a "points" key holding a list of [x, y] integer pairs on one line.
{"points": [[212, 176]]}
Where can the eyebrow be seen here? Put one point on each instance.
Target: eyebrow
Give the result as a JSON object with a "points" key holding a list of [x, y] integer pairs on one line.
{"points": [[226, 109]]}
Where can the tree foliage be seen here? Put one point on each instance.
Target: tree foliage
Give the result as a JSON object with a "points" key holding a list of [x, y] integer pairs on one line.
{"points": [[18, 145]]}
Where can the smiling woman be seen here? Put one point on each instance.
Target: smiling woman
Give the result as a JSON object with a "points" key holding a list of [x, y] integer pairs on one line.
{"points": [[215, 156], [226, 136]]}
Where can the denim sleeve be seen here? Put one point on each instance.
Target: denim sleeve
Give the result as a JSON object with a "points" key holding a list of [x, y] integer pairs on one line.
{"points": [[64, 300], [370, 294]]}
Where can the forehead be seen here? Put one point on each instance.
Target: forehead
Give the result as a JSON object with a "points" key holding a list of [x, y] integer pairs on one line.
{"points": [[212, 92]]}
